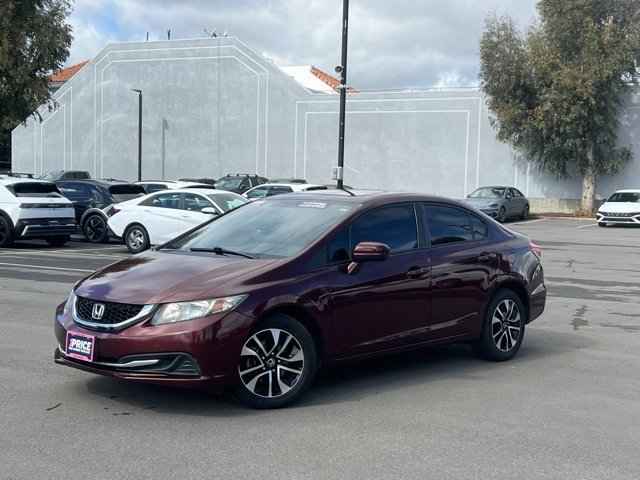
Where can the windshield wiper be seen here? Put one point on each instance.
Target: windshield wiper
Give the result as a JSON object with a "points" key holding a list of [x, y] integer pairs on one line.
{"points": [[221, 251]]}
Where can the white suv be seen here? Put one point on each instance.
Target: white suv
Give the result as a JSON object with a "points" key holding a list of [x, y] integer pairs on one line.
{"points": [[34, 209]]}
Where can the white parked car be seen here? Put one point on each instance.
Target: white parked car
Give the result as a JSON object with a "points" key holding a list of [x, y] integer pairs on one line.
{"points": [[159, 217], [34, 209], [152, 186], [622, 208], [271, 189]]}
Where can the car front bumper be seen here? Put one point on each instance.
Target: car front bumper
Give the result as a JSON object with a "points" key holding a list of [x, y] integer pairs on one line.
{"points": [[618, 218], [200, 353]]}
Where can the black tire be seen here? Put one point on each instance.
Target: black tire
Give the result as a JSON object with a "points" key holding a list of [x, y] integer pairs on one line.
{"points": [[502, 215], [136, 238], [95, 228], [58, 241], [265, 370], [525, 213], [498, 342], [603, 224], [6, 232]]}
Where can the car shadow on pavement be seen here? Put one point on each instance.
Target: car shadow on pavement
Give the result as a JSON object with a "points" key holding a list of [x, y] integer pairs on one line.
{"points": [[350, 382]]}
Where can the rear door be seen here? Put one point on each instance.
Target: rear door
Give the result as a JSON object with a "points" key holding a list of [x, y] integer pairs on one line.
{"points": [[463, 263], [382, 305]]}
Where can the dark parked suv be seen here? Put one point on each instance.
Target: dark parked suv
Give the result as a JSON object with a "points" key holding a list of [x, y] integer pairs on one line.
{"points": [[91, 197], [262, 296]]}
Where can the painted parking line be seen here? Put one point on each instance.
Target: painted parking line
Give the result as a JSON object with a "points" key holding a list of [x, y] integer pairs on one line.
{"points": [[587, 226], [45, 267], [530, 222]]}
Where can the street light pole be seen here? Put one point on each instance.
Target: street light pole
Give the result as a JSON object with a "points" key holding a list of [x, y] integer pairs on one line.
{"points": [[342, 69], [139, 92]]}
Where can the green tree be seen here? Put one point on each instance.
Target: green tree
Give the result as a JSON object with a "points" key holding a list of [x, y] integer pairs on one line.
{"points": [[34, 42], [557, 91]]}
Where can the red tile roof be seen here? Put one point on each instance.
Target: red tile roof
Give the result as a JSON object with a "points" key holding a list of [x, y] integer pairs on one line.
{"points": [[65, 74], [330, 80]]}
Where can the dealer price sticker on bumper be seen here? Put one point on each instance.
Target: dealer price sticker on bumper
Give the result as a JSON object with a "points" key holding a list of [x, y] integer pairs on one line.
{"points": [[80, 346]]}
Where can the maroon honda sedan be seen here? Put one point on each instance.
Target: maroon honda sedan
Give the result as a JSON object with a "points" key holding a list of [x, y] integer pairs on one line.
{"points": [[258, 299]]}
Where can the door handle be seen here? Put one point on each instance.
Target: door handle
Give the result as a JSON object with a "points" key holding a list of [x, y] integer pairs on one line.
{"points": [[486, 257], [418, 272]]}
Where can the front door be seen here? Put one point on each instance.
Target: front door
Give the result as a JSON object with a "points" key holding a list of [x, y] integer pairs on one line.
{"points": [[381, 305], [462, 265]]}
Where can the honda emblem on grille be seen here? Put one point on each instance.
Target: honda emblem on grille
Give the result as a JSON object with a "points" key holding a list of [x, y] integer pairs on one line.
{"points": [[97, 312]]}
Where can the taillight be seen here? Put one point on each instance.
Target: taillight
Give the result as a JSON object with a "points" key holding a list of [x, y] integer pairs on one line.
{"points": [[536, 249], [112, 211]]}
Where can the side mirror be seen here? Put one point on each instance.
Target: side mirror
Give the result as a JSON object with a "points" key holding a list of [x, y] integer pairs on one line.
{"points": [[370, 252], [210, 211]]}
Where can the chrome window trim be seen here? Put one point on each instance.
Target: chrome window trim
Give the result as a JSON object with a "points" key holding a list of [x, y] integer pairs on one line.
{"points": [[146, 310]]}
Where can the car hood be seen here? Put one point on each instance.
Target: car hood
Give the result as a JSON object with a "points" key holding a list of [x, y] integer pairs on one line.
{"points": [[483, 202], [164, 277], [620, 207]]}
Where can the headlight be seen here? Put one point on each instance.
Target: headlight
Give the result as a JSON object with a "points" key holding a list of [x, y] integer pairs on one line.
{"points": [[494, 205], [181, 312], [68, 307]]}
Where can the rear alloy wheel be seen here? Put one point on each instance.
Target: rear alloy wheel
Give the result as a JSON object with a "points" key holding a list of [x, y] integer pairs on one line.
{"points": [[136, 239], [95, 229], [6, 232], [502, 215], [503, 329], [58, 241], [277, 363]]}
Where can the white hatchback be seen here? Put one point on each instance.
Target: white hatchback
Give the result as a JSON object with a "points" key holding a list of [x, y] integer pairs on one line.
{"points": [[159, 217], [34, 209], [622, 208]]}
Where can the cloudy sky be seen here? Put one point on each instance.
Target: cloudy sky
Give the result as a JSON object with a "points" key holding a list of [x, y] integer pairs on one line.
{"points": [[393, 43]]}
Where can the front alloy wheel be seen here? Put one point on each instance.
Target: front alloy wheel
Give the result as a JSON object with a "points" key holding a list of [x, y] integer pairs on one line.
{"points": [[136, 239], [277, 363], [502, 215], [6, 232]]}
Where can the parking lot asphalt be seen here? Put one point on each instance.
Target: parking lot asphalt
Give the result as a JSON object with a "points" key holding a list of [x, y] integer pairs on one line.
{"points": [[566, 408]]}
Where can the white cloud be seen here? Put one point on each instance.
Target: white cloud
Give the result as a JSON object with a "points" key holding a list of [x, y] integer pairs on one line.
{"points": [[399, 43]]}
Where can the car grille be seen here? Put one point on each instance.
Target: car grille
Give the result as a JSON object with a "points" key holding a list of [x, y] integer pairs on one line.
{"points": [[619, 215], [114, 313]]}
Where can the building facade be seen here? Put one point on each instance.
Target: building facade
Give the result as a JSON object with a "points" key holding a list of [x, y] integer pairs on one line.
{"points": [[214, 106]]}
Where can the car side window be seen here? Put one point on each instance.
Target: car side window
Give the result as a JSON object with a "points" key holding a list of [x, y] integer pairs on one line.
{"points": [[338, 247], [448, 225], [480, 229], [163, 200], [395, 226], [258, 193], [195, 203], [279, 190]]}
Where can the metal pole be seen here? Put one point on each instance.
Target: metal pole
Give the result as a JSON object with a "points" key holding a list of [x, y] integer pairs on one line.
{"points": [[139, 92], [343, 92]]}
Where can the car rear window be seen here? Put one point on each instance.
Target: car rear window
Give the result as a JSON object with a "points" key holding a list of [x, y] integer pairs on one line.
{"points": [[122, 193], [34, 189]]}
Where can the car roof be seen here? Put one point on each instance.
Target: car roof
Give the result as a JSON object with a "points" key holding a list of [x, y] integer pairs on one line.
{"points": [[96, 181], [8, 180], [201, 191], [364, 198], [628, 190], [294, 186]]}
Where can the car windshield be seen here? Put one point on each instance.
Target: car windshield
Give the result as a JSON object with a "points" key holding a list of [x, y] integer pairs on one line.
{"points": [[489, 192], [229, 183], [227, 202], [629, 197], [267, 229]]}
